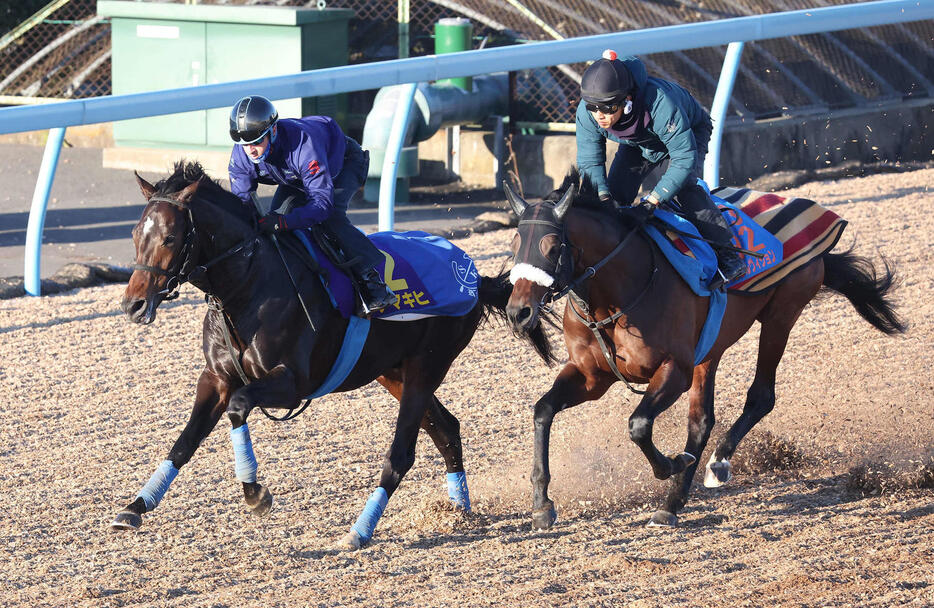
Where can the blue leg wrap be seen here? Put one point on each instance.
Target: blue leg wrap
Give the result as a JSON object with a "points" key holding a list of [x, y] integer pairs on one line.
{"points": [[158, 484], [373, 510], [457, 490], [244, 461]]}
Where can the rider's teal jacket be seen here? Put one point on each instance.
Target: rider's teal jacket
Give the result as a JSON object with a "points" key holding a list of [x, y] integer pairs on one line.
{"points": [[672, 125]]}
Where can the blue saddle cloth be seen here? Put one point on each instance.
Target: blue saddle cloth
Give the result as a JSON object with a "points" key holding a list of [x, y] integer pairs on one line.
{"points": [[696, 262], [697, 271], [431, 276]]}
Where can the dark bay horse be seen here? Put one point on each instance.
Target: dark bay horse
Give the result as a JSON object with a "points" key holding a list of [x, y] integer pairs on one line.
{"points": [[192, 229], [646, 319]]}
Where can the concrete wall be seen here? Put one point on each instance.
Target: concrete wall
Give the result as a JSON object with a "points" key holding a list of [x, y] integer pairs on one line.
{"points": [[900, 131]]}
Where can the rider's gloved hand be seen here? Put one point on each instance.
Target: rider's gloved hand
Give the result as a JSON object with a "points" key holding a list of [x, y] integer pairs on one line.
{"points": [[272, 223]]}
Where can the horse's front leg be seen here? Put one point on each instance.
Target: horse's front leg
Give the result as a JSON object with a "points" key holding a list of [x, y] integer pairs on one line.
{"points": [[209, 405], [570, 388], [276, 389], [700, 423], [667, 384]]}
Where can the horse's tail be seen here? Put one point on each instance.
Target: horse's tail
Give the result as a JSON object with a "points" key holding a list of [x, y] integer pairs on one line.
{"points": [[855, 278], [494, 294]]}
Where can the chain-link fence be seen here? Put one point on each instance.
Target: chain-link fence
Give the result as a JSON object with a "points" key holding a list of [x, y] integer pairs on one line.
{"points": [[64, 52]]}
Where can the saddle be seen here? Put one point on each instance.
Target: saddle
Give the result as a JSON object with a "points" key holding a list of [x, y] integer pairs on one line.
{"points": [[336, 257]]}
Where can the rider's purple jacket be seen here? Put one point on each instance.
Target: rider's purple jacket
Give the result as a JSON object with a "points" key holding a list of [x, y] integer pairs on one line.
{"points": [[308, 153]]}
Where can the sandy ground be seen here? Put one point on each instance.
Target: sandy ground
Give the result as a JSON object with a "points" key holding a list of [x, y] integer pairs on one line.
{"points": [[827, 507]]}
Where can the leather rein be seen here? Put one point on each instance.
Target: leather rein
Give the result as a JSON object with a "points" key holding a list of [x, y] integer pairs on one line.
{"points": [[553, 294], [182, 272]]}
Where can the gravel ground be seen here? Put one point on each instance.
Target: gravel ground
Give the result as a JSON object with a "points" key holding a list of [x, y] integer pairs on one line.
{"points": [[830, 505]]}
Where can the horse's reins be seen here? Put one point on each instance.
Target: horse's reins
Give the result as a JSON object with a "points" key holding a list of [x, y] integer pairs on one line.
{"points": [[179, 276], [552, 295]]}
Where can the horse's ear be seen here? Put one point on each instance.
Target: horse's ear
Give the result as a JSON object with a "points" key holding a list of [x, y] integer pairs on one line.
{"points": [[147, 188], [518, 205], [188, 192], [564, 204]]}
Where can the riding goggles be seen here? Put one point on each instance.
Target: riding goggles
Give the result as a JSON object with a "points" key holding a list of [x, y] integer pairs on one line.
{"points": [[602, 107], [248, 137]]}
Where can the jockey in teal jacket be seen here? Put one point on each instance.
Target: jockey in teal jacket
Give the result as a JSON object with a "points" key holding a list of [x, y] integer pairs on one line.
{"points": [[656, 123]]}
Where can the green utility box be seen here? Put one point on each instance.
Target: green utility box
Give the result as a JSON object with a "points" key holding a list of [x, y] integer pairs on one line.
{"points": [[165, 46]]}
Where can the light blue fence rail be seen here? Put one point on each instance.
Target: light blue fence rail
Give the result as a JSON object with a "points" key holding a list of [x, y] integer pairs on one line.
{"points": [[344, 79]]}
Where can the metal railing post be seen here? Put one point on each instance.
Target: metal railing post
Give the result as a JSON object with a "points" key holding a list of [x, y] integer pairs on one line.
{"points": [[40, 200], [387, 180], [721, 101]]}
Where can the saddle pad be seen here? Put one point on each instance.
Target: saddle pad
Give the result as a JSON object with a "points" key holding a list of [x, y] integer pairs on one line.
{"points": [[805, 230], [431, 276], [696, 264]]}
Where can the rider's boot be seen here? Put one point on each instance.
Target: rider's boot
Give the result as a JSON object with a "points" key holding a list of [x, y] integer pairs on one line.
{"points": [[731, 267], [376, 294]]}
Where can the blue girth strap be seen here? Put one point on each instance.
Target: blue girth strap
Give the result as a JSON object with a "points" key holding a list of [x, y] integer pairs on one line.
{"points": [[354, 339]]}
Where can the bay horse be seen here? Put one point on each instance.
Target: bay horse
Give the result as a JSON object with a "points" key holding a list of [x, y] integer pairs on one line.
{"points": [[194, 230], [646, 319]]}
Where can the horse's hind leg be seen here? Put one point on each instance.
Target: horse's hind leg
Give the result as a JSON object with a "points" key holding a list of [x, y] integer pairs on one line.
{"points": [[777, 319], [700, 423], [445, 431], [420, 380], [207, 410]]}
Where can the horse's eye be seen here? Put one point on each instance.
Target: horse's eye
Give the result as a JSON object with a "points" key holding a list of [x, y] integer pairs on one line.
{"points": [[169, 240]]}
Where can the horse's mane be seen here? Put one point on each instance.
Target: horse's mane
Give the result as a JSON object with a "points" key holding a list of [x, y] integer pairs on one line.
{"points": [[586, 199], [189, 172]]}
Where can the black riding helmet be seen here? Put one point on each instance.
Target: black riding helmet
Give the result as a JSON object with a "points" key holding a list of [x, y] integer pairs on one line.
{"points": [[251, 118], [607, 80]]}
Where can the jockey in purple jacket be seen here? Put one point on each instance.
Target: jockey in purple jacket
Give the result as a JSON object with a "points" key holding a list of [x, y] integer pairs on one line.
{"points": [[318, 170]]}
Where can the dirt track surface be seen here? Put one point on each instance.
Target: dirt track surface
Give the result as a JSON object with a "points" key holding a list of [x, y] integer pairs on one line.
{"points": [[827, 507]]}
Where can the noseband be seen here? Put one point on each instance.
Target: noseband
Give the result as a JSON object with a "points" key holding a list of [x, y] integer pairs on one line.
{"points": [[564, 266], [184, 269]]}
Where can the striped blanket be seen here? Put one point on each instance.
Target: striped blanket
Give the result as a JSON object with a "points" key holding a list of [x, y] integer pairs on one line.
{"points": [[805, 229]]}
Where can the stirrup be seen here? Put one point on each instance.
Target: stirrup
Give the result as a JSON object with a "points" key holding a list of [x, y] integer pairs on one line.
{"points": [[371, 303]]}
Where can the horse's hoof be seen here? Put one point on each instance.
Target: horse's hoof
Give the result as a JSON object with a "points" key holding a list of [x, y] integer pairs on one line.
{"points": [[543, 519], [676, 464], [718, 473], [681, 462], [350, 542], [127, 520], [263, 503], [663, 519]]}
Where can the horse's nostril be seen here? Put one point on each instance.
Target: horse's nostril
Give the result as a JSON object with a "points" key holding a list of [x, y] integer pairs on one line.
{"points": [[522, 317], [132, 307]]}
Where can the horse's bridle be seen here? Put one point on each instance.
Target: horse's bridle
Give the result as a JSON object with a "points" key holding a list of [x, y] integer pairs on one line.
{"points": [[564, 268], [564, 265], [183, 270]]}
